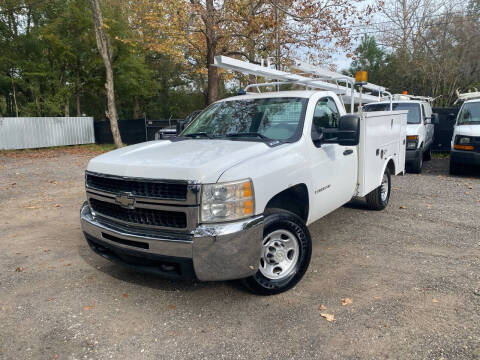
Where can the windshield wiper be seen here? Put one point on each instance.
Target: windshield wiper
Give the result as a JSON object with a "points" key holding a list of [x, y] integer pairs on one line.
{"points": [[248, 134], [199, 134]]}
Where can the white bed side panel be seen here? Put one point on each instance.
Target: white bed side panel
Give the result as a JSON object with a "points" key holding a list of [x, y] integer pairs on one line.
{"points": [[382, 137]]}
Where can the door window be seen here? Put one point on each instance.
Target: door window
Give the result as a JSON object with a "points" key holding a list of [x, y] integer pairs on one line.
{"points": [[326, 115]]}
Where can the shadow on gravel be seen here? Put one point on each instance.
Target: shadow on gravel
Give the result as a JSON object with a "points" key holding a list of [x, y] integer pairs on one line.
{"points": [[124, 273]]}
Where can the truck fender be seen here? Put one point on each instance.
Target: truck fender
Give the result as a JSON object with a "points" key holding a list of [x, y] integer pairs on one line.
{"points": [[390, 163]]}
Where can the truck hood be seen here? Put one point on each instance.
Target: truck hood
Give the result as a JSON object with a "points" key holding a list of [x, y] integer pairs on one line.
{"points": [[468, 130], [413, 129], [197, 160]]}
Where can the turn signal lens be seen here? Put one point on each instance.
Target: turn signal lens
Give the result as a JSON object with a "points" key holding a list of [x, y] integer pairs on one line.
{"points": [[463, 147], [412, 137]]}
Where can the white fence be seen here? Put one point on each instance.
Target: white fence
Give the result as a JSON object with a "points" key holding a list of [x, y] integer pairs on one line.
{"points": [[32, 132]]}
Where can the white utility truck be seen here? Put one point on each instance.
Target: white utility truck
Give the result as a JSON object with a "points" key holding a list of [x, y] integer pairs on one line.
{"points": [[465, 150], [420, 128], [232, 196]]}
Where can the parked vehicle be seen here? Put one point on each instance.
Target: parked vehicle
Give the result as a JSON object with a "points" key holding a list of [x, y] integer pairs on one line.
{"points": [[465, 149], [232, 196], [173, 130], [420, 128]]}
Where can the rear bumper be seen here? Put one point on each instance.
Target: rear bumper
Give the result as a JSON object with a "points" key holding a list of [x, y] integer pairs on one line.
{"points": [[210, 252], [412, 155], [465, 157]]}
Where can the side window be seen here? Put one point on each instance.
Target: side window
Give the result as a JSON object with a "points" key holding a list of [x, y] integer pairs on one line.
{"points": [[325, 115]]}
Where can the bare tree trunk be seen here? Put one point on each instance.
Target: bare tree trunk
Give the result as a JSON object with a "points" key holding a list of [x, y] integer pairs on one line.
{"points": [[14, 97], [211, 52], [79, 110], [104, 49], [136, 109], [67, 107]]}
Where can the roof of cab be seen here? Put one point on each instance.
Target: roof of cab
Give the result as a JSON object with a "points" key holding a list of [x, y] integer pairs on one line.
{"points": [[278, 94]]}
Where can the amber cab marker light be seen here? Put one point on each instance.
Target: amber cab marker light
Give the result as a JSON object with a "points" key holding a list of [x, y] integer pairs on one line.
{"points": [[404, 92], [361, 77], [412, 137], [462, 147]]}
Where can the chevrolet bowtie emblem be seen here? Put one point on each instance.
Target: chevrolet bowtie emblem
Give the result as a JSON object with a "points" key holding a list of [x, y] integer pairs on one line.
{"points": [[126, 201]]}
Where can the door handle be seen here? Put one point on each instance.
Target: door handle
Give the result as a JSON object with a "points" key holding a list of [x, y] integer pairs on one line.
{"points": [[348, 152]]}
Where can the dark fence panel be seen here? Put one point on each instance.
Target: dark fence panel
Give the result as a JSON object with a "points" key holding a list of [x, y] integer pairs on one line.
{"points": [[132, 131], [444, 129]]}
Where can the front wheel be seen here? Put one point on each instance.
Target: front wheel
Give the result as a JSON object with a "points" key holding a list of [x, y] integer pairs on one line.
{"points": [[427, 155], [286, 253], [378, 198], [454, 168], [417, 164]]}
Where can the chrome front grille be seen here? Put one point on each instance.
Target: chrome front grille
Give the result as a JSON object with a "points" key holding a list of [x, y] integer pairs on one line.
{"points": [[153, 217], [143, 203], [155, 189]]}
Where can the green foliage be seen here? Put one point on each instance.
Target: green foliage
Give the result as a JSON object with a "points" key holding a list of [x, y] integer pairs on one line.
{"points": [[50, 66]]}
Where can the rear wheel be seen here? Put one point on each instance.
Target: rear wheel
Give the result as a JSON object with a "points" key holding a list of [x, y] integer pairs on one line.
{"points": [[378, 198], [286, 253]]}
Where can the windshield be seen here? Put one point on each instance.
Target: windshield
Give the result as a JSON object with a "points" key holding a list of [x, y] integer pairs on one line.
{"points": [[271, 118], [469, 114], [413, 116]]}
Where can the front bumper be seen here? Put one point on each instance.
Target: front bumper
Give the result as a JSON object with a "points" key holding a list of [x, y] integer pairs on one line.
{"points": [[210, 252], [412, 155], [465, 157]]}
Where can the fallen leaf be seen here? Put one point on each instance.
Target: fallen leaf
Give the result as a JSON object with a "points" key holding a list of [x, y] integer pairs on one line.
{"points": [[434, 300], [49, 299], [403, 207], [19, 269], [57, 205], [328, 317], [32, 207], [125, 295], [172, 307], [377, 297], [322, 307], [346, 301], [86, 308]]}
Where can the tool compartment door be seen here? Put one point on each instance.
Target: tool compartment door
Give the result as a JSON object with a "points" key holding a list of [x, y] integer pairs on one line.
{"points": [[382, 137]]}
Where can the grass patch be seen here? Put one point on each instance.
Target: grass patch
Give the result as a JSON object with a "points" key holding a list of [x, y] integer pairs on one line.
{"points": [[440, 155], [49, 152]]}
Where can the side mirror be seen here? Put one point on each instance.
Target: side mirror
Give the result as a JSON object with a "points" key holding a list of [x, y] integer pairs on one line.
{"points": [[180, 126], [435, 119], [317, 137], [348, 130]]}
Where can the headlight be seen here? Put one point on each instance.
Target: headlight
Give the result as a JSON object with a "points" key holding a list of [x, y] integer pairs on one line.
{"points": [[412, 142], [227, 201], [464, 140]]}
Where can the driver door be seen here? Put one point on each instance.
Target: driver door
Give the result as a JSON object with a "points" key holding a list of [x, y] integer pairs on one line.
{"points": [[333, 167]]}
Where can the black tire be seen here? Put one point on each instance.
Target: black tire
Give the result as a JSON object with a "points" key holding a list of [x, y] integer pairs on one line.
{"points": [[375, 199], [454, 168], [277, 219], [416, 166], [427, 155]]}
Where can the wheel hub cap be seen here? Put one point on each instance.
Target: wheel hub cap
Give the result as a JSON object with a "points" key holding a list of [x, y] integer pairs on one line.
{"points": [[280, 253]]}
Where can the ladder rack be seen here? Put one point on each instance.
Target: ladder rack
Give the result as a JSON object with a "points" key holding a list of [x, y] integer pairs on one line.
{"points": [[322, 79], [468, 96]]}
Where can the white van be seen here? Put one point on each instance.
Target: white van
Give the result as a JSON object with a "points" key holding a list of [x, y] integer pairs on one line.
{"points": [[465, 147], [420, 127]]}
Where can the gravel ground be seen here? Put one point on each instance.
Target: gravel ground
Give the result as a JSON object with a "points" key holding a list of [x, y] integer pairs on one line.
{"points": [[412, 273]]}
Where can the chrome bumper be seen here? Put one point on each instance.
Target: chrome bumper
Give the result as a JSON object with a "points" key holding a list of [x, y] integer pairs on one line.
{"points": [[218, 251]]}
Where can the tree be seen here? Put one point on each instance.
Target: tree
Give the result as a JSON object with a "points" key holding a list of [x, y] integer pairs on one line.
{"points": [[104, 48], [370, 57], [195, 31]]}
